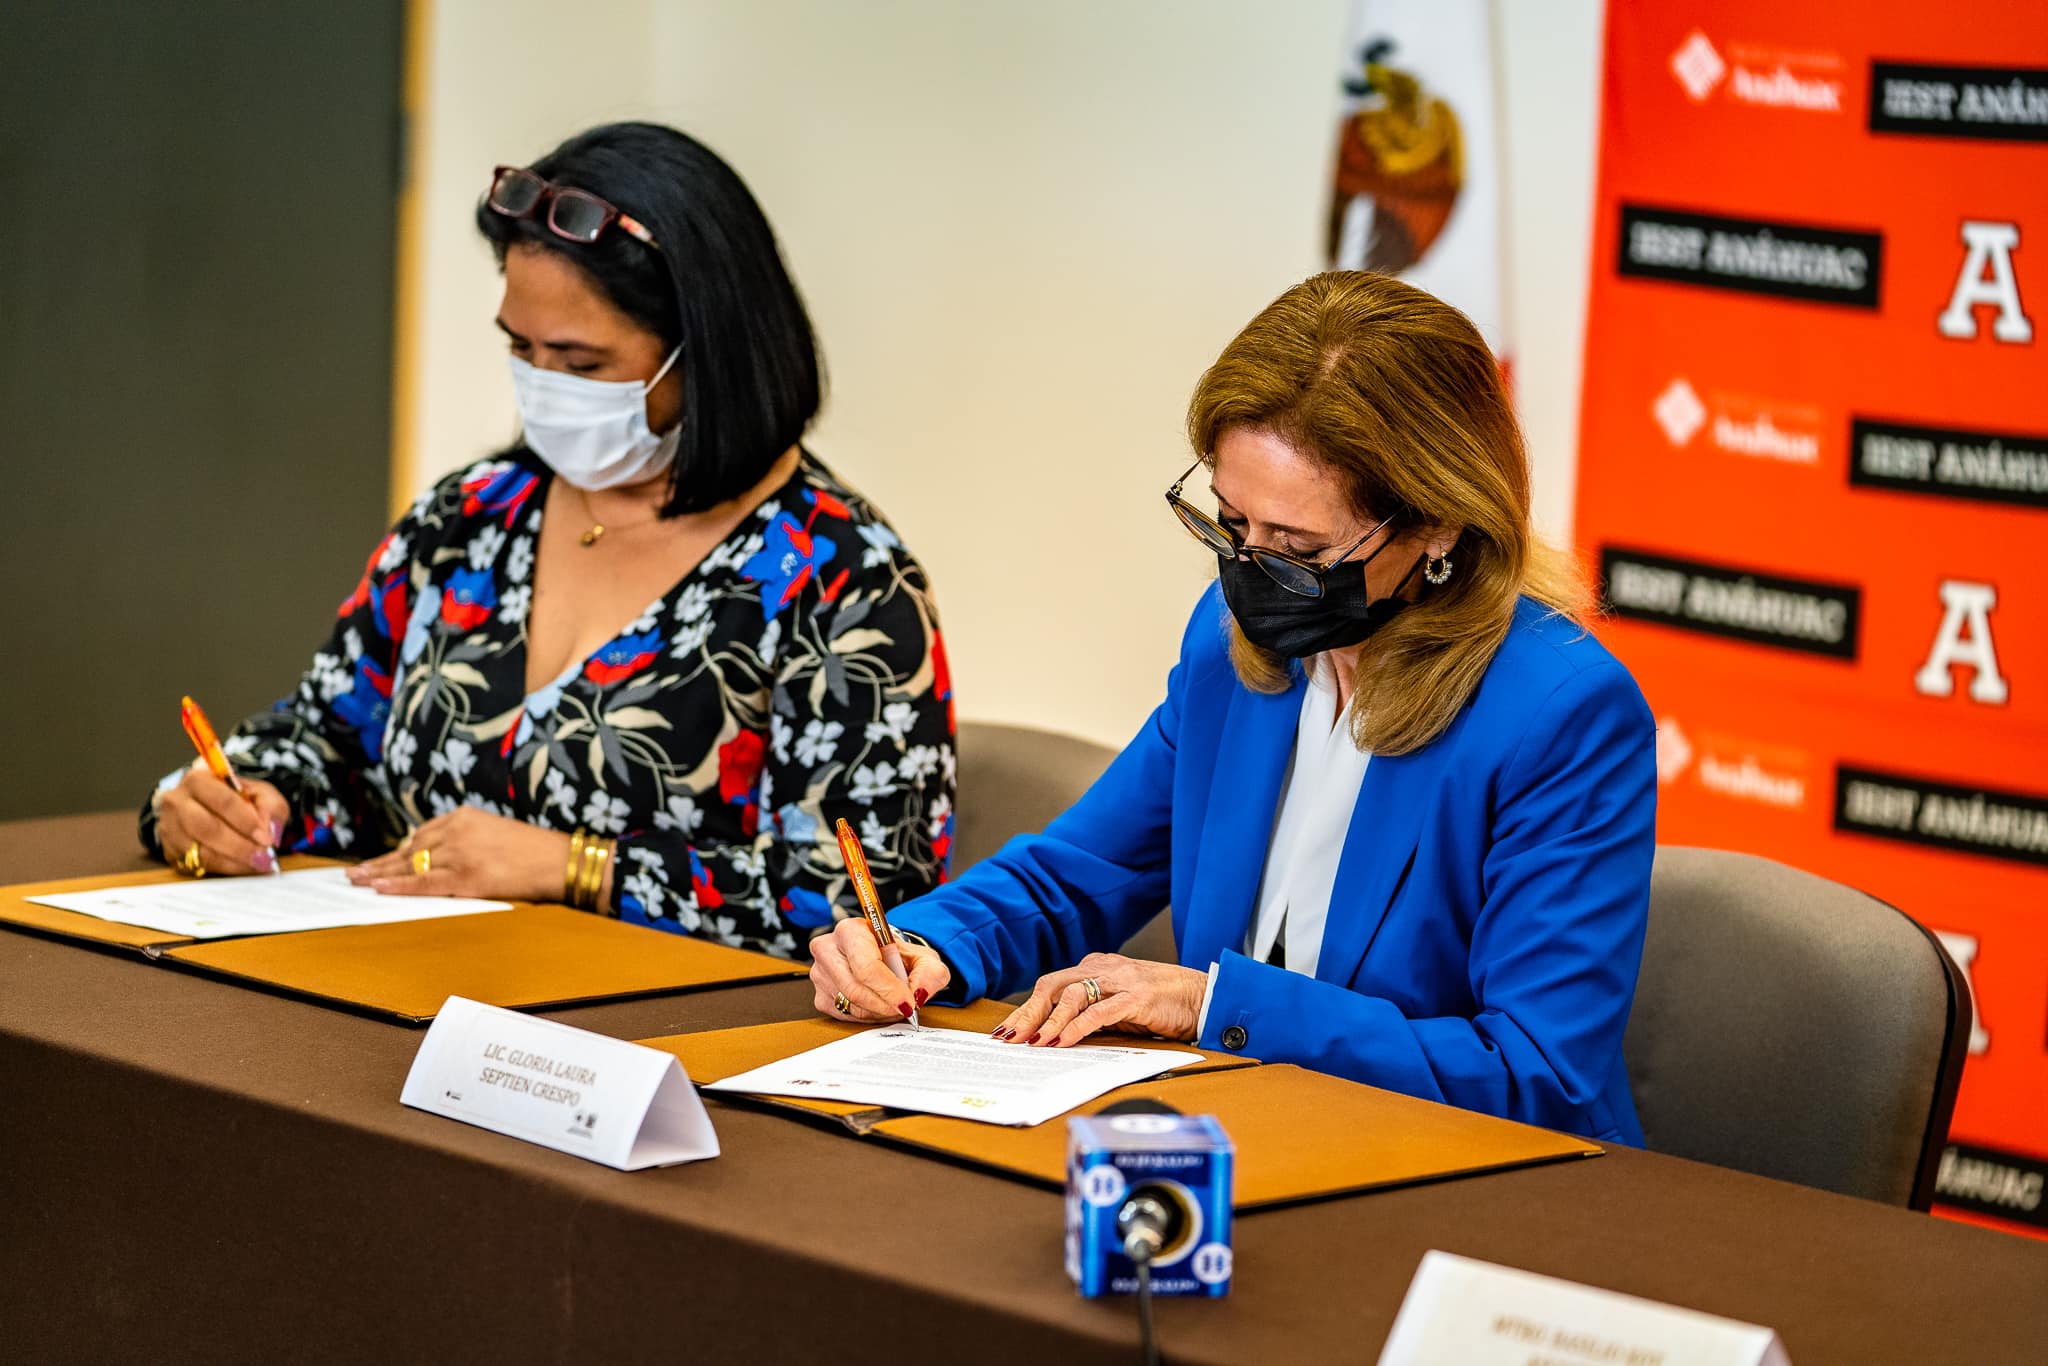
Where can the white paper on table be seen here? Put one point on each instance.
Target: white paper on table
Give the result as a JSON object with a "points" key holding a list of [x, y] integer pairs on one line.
{"points": [[1463, 1312], [622, 1104], [956, 1072], [213, 908]]}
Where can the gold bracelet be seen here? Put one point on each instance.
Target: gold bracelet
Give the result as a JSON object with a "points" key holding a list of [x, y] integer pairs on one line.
{"points": [[604, 859], [582, 897], [595, 854], [574, 873]]}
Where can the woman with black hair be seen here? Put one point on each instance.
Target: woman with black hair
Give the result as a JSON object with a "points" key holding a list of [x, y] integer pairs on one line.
{"points": [[644, 659]]}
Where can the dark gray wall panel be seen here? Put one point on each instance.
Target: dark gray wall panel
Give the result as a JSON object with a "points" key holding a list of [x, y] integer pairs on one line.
{"points": [[197, 210]]}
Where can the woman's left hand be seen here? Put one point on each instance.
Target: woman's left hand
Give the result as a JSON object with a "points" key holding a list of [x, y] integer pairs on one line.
{"points": [[471, 852], [1133, 996]]}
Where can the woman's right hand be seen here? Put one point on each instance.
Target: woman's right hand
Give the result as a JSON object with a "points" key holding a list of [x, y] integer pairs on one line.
{"points": [[846, 963], [236, 833]]}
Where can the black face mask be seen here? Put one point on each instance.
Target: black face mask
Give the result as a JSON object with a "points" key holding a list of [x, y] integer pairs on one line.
{"points": [[1294, 626]]}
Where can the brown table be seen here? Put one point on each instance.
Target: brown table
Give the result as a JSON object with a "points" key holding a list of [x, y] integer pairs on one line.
{"points": [[194, 1171]]}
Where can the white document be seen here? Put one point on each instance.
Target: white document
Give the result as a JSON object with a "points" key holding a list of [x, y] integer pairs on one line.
{"points": [[1461, 1312], [956, 1072], [568, 1089], [214, 907]]}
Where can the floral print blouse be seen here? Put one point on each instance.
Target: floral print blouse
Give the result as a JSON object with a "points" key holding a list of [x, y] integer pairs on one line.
{"points": [[795, 676]]}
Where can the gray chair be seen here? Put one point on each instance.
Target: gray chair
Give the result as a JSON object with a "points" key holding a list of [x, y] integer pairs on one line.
{"points": [[1795, 1028], [1015, 779]]}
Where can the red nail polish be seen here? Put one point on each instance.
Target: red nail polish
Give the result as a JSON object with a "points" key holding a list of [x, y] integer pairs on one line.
{"points": [[905, 1009], [1032, 1039], [923, 995]]}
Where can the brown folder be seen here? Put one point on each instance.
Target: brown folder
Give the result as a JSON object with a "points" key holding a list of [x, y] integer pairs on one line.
{"points": [[525, 958], [716, 1054], [1300, 1135], [16, 910]]}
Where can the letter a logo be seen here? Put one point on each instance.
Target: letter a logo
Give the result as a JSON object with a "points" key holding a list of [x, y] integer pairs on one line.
{"points": [[1987, 278], [1964, 638], [1963, 948]]}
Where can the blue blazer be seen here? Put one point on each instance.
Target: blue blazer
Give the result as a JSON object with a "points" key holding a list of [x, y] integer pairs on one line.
{"points": [[1487, 925]]}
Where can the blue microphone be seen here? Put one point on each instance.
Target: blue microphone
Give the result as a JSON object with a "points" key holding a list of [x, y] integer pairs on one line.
{"points": [[1148, 1199]]}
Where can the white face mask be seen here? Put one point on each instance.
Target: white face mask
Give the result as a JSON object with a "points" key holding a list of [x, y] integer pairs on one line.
{"points": [[593, 432]]}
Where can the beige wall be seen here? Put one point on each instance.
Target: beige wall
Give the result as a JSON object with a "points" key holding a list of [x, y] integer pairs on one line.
{"points": [[1022, 229], [503, 81], [1550, 78]]}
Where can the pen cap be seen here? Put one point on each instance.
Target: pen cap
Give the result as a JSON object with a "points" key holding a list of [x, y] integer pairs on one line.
{"points": [[863, 882], [197, 728], [200, 731]]}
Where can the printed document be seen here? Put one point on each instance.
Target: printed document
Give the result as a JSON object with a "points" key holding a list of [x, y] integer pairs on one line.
{"points": [[957, 1073], [215, 907]]}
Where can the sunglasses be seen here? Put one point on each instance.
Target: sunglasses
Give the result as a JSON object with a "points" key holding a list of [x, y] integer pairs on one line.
{"points": [[574, 215], [1296, 575]]}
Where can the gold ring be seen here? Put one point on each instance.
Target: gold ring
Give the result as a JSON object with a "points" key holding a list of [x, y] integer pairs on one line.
{"points": [[188, 862], [1094, 990], [842, 1005], [422, 861]]}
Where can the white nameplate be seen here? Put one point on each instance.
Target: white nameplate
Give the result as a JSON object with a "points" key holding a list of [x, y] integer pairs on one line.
{"points": [[569, 1089], [1460, 1312]]}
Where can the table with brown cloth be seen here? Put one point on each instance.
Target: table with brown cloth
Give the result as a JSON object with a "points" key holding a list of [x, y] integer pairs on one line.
{"points": [[196, 1171]]}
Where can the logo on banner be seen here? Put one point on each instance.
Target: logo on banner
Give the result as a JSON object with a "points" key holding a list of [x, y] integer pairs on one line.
{"points": [[1729, 767], [1994, 1182], [1989, 821], [1953, 462], [1987, 278], [2008, 103], [1747, 779], [1679, 412], [1782, 88], [1698, 66], [1674, 751], [1964, 637], [1759, 76], [1740, 425], [1725, 600], [1752, 255]]}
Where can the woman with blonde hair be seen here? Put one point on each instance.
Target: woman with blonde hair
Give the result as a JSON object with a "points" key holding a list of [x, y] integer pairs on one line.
{"points": [[1402, 804]]}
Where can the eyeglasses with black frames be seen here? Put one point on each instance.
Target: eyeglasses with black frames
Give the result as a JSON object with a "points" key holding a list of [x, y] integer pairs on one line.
{"points": [[1296, 575], [574, 215]]}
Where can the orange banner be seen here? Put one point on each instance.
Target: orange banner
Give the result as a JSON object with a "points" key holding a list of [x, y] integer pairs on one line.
{"points": [[1814, 468]]}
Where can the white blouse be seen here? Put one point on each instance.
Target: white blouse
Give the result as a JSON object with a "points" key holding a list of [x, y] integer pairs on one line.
{"points": [[1316, 807]]}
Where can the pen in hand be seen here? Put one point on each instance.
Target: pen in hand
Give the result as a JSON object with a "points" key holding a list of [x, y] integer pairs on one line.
{"points": [[870, 905], [200, 731]]}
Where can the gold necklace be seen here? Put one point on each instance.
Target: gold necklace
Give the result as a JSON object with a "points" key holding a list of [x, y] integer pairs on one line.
{"points": [[597, 528]]}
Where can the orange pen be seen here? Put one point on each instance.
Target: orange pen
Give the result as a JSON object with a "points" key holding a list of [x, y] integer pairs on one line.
{"points": [[200, 731], [870, 904]]}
